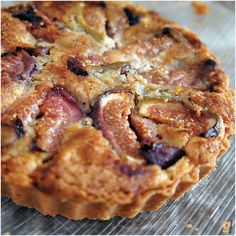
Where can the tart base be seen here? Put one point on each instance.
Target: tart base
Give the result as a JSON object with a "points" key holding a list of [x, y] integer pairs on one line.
{"points": [[146, 200], [51, 205]]}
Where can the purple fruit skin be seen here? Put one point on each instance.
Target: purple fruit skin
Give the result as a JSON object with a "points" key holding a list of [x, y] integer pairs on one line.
{"points": [[129, 171], [156, 154], [161, 154], [69, 99]]}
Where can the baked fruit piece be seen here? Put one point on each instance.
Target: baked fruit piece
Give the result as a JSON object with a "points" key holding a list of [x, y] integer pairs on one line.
{"points": [[108, 109]]}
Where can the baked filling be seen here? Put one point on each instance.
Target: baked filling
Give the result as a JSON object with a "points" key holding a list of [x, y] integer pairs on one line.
{"points": [[107, 102]]}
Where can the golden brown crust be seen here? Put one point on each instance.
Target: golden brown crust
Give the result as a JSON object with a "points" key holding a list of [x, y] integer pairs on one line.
{"points": [[14, 34], [90, 154], [81, 208], [111, 110]]}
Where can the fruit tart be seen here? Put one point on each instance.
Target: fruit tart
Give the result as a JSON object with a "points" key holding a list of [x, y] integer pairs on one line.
{"points": [[108, 109]]}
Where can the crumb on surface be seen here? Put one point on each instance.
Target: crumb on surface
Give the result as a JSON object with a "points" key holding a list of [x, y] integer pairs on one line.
{"points": [[190, 226], [200, 8], [226, 226]]}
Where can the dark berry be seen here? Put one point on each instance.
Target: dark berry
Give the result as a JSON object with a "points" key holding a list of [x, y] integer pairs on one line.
{"points": [[19, 128], [102, 4], [133, 20], [39, 116], [210, 63], [34, 146], [161, 154], [108, 28], [210, 89], [27, 13], [166, 31], [56, 89], [75, 66], [212, 132]]}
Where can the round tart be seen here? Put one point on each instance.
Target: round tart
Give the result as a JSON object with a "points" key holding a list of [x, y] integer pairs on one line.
{"points": [[108, 109]]}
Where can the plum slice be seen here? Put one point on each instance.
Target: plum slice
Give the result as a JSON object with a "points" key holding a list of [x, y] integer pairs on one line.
{"points": [[161, 154], [110, 115], [26, 109], [176, 114], [18, 65], [153, 149], [59, 111], [145, 129], [171, 112]]}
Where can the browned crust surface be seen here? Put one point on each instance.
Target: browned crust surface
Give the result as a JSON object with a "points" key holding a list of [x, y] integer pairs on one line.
{"points": [[82, 208], [95, 87]]}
